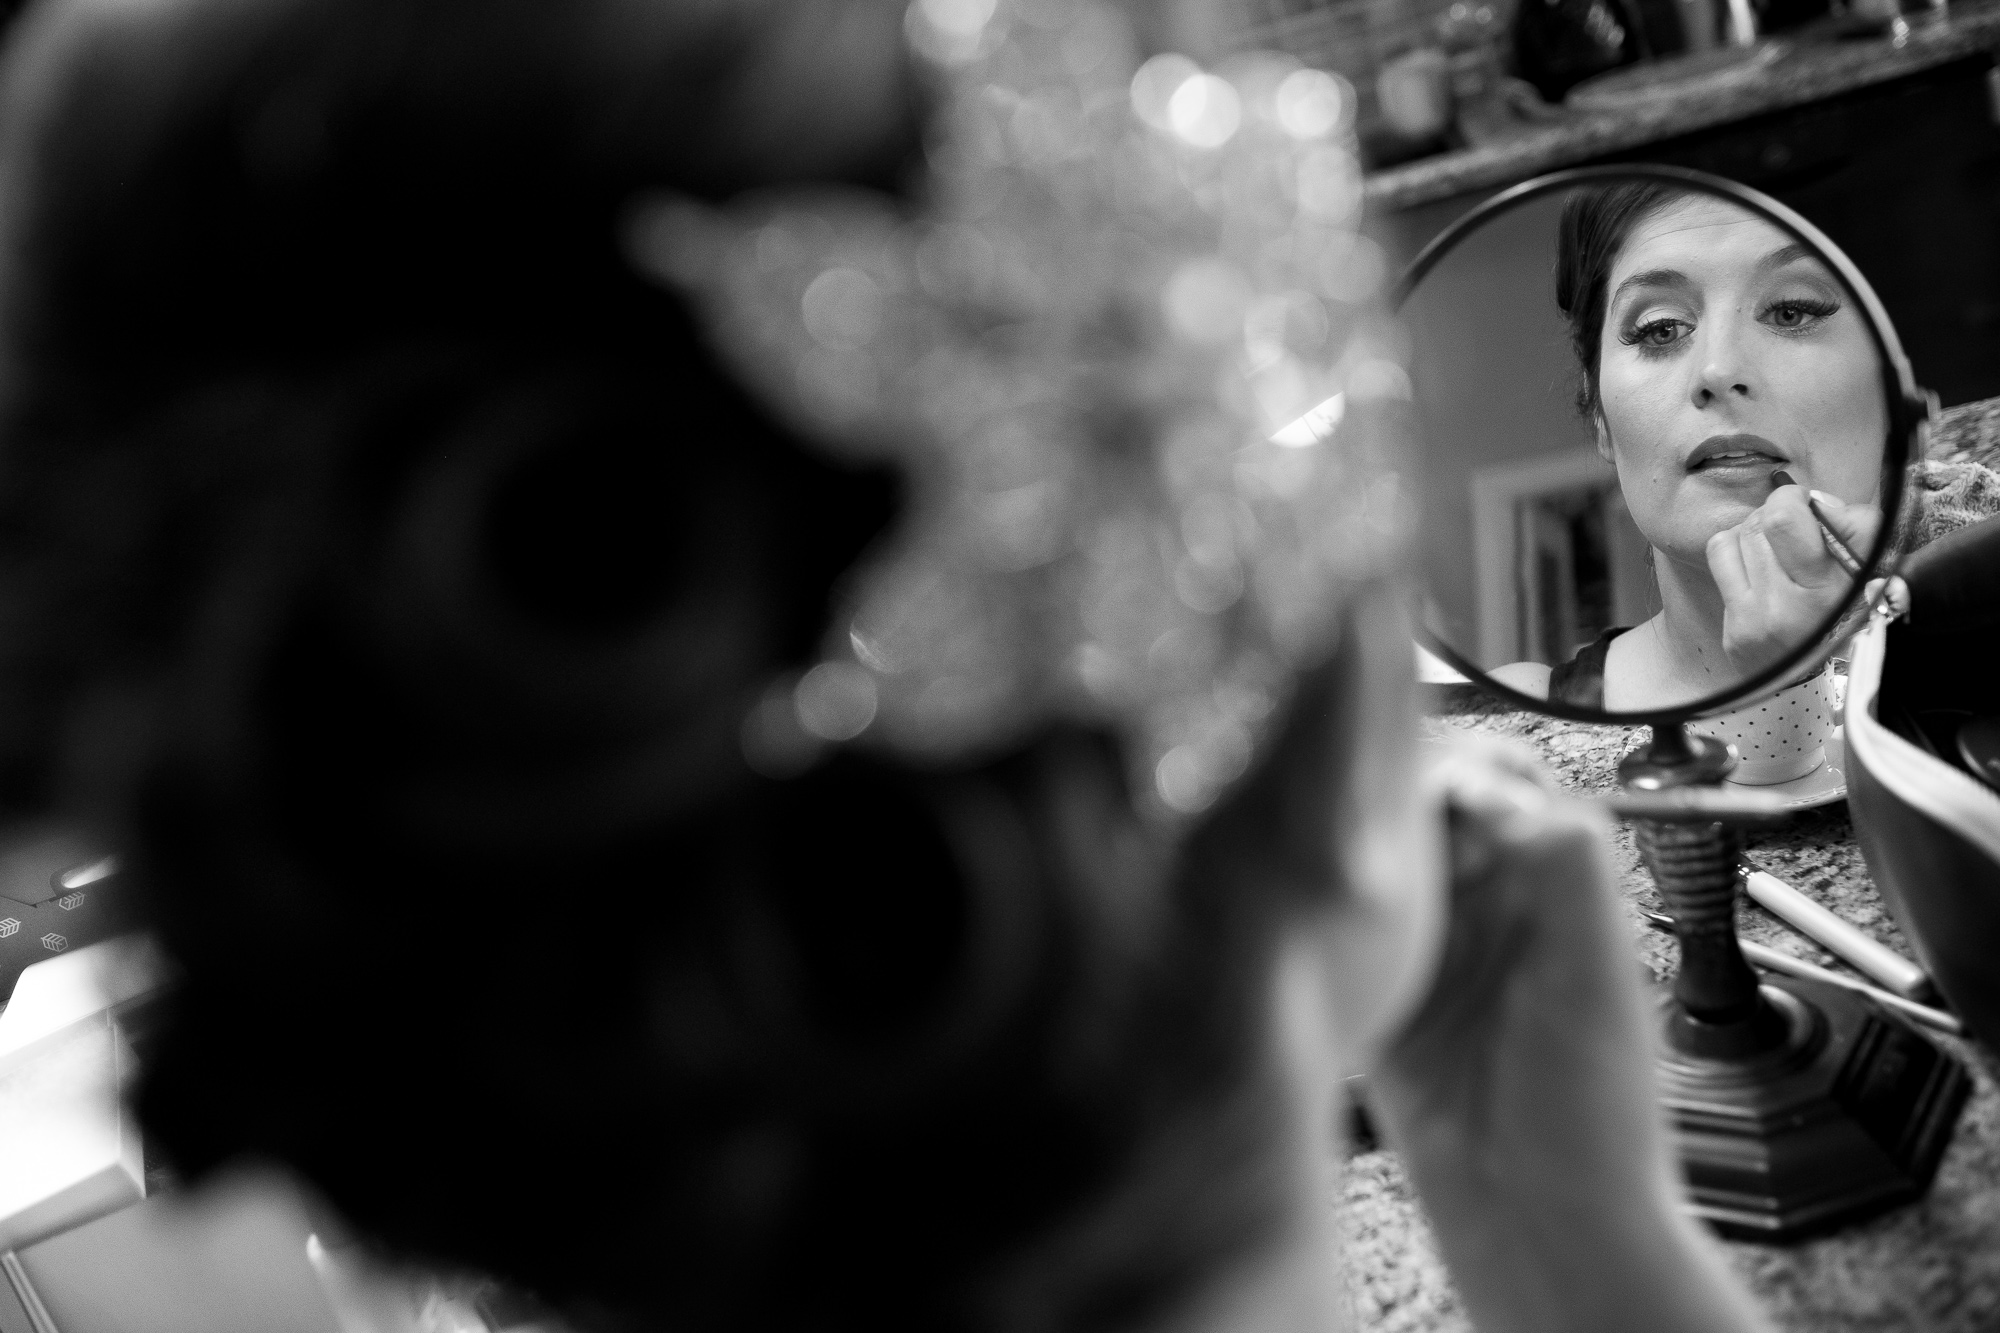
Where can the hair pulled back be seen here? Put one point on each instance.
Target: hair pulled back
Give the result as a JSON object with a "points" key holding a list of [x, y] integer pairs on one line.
{"points": [[1593, 229]]}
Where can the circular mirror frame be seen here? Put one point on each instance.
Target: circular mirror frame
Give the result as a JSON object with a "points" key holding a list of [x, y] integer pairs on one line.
{"points": [[1909, 411]]}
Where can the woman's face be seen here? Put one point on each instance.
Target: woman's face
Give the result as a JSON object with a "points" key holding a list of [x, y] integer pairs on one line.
{"points": [[1730, 352]]}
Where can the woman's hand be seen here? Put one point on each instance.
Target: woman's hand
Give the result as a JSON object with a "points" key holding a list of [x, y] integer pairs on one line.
{"points": [[1533, 1054], [1778, 580], [1522, 1095]]}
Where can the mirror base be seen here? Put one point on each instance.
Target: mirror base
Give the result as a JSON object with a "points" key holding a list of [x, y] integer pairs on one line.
{"points": [[1675, 757], [1848, 1117]]}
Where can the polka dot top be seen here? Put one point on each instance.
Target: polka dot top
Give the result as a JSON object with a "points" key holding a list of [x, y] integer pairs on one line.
{"points": [[1779, 738]]}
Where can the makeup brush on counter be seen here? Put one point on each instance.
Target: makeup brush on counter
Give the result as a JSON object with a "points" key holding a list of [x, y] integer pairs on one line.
{"points": [[1840, 938], [1759, 955]]}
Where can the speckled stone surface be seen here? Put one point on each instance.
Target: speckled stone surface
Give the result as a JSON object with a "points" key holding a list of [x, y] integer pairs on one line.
{"points": [[1810, 72], [1969, 433], [1932, 1266]]}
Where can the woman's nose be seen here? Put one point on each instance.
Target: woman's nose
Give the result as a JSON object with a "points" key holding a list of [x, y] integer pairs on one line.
{"points": [[1722, 369]]}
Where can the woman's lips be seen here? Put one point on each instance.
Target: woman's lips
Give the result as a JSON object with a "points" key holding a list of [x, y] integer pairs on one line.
{"points": [[1736, 453]]}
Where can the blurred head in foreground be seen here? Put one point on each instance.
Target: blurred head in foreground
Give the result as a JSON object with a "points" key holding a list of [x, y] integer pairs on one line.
{"points": [[391, 570]]}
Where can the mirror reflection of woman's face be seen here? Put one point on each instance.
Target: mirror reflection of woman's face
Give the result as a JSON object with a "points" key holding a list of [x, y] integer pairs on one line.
{"points": [[1730, 352]]}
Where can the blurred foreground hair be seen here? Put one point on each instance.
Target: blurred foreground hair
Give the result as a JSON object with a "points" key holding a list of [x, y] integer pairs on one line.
{"points": [[390, 570]]}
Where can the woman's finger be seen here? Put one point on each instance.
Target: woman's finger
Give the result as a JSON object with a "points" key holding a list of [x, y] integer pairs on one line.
{"points": [[1486, 788], [1452, 754], [1856, 524], [1725, 566], [1531, 906], [1770, 580], [1787, 522]]}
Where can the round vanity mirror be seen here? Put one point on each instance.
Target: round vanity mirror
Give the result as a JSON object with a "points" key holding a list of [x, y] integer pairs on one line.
{"points": [[1663, 427], [1661, 421]]}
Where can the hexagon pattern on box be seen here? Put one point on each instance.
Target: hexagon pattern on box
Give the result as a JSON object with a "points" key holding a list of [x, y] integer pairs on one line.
{"points": [[58, 893]]}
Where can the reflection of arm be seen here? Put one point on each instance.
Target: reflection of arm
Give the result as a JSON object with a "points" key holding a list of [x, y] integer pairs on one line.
{"points": [[1577, 681], [1530, 678]]}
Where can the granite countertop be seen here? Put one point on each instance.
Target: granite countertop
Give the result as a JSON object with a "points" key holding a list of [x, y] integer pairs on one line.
{"points": [[1933, 1265], [1810, 72], [1968, 433]]}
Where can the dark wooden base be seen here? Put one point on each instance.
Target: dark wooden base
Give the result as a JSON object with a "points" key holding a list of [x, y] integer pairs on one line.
{"points": [[1847, 1118]]}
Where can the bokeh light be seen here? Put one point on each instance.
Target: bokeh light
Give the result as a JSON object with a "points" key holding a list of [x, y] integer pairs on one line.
{"points": [[1153, 87], [1313, 104], [842, 309], [1205, 111], [961, 18], [1206, 299], [1379, 378], [1329, 185], [773, 743], [1314, 426], [1351, 268], [950, 31], [835, 701]]}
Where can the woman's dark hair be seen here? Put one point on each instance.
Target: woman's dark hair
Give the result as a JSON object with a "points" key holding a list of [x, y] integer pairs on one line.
{"points": [[390, 569], [1594, 225]]}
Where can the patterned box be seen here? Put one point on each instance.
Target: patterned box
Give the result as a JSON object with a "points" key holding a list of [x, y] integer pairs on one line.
{"points": [[57, 892]]}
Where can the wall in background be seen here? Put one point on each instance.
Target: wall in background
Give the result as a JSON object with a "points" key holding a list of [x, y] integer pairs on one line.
{"points": [[1351, 38]]}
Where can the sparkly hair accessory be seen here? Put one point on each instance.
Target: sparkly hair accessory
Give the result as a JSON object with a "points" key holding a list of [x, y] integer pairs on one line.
{"points": [[1126, 355]]}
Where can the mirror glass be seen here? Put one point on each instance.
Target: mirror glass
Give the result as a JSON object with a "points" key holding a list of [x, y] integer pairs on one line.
{"points": [[1655, 445]]}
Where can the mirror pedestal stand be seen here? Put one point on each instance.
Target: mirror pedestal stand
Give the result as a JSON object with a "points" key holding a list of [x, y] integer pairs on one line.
{"points": [[1795, 1105]]}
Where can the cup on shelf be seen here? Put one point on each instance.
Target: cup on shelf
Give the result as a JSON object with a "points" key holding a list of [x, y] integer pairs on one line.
{"points": [[1415, 94]]}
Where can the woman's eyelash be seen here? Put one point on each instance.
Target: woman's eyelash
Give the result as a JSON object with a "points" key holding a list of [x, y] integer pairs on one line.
{"points": [[1655, 334], [1812, 307], [1644, 335]]}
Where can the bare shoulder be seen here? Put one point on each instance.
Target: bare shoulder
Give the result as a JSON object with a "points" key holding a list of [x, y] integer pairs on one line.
{"points": [[1530, 678]]}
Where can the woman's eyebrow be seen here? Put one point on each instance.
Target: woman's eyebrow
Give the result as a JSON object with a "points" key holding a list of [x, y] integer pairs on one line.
{"points": [[1652, 277], [1784, 255]]}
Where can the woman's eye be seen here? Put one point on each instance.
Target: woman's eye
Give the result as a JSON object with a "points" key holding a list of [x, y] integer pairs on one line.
{"points": [[1798, 313], [1661, 332]]}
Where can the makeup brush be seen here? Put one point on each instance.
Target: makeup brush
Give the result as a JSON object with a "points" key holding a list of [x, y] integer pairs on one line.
{"points": [[1772, 961], [1835, 547], [1835, 934]]}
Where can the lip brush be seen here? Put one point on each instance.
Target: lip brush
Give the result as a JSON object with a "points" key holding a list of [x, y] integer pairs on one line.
{"points": [[1835, 547]]}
